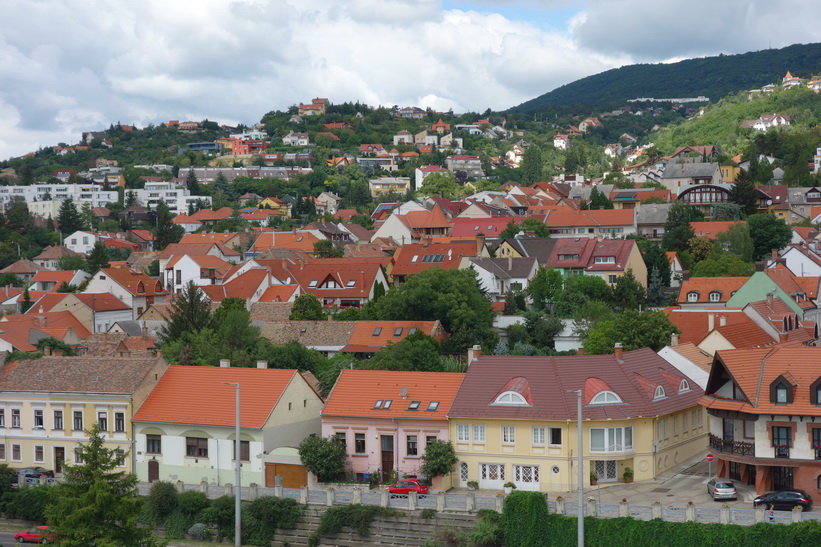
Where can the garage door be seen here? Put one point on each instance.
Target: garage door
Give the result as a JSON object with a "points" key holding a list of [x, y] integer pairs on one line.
{"points": [[293, 476]]}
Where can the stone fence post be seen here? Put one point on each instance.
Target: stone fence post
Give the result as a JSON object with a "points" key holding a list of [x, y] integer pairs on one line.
{"points": [[440, 502], [656, 508], [760, 513], [624, 508], [229, 489], [303, 495], [204, 487], [470, 501], [384, 498], [500, 503], [277, 491], [690, 513], [796, 514], [329, 496], [592, 508], [560, 510], [357, 496], [725, 514], [180, 487]]}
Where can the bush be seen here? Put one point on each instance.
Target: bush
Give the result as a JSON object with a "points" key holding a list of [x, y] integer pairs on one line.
{"points": [[358, 517], [161, 502], [524, 520], [192, 502], [488, 530], [325, 458], [221, 514], [262, 517], [27, 503]]}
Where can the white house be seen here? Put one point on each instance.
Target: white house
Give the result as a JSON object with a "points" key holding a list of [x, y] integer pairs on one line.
{"points": [[296, 139], [499, 275], [132, 286], [203, 270]]}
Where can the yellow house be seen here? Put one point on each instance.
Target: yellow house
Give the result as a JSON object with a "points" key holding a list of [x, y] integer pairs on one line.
{"points": [[274, 204], [514, 420], [47, 405], [729, 172]]}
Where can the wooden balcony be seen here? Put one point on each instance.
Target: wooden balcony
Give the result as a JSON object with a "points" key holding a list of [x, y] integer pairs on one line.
{"points": [[738, 448]]}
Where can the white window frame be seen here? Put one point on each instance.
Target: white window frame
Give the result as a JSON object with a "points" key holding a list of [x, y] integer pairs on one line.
{"points": [[479, 433], [692, 296], [508, 434], [538, 436], [462, 433], [611, 437], [606, 397], [511, 398]]}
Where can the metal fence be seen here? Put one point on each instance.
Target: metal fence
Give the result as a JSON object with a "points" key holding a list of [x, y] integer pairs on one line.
{"points": [[469, 501]]}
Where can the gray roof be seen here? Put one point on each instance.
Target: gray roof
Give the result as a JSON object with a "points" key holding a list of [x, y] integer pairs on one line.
{"points": [[507, 268], [653, 213], [689, 170], [583, 192], [309, 333], [538, 247]]}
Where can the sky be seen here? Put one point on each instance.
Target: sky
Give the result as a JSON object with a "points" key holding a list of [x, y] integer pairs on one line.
{"points": [[69, 67]]}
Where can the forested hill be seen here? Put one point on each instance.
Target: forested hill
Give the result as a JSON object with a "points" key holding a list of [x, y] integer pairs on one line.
{"points": [[713, 77]]}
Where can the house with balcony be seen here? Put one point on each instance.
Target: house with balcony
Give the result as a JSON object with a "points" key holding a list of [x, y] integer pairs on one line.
{"points": [[762, 406], [514, 420]]}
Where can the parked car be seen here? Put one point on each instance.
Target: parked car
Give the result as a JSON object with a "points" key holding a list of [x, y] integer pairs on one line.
{"points": [[406, 486], [785, 500], [38, 534], [722, 489], [35, 472]]}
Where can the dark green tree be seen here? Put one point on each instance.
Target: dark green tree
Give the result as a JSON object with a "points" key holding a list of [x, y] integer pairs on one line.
{"points": [[656, 295], [439, 459], [677, 229], [532, 165], [723, 265], [166, 232], [98, 258], [72, 262], [767, 233], [69, 217], [628, 292], [26, 304], [725, 211], [545, 287], [743, 193], [325, 248], [95, 504], [306, 307], [190, 311], [192, 183], [533, 225], [324, 457], [633, 329], [655, 257], [598, 200], [417, 352]]}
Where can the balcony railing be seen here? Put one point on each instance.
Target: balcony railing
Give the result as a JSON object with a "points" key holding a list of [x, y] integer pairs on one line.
{"points": [[818, 453], [739, 448], [782, 451]]}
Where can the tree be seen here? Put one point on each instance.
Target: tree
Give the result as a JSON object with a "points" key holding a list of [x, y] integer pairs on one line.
{"points": [[655, 257], [633, 329], [417, 352], [324, 457], [192, 183], [532, 165], [306, 307], [529, 224], [69, 218], [95, 504], [736, 240], [441, 184], [655, 290], [98, 258], [767, 233], [598, 200], [677, 229], [544, 287], [743, 193], [190, 311], [72, 262], [325, 248], [723, 265], [439, 459], [166, 232], [725, 211], [27, 303], [628, 292], [543, 329]]}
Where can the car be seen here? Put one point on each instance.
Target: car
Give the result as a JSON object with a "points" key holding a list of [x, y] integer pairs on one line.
{"points": [[38, 534], [408, 485], [785, 500], [35, 472], [722, 489]]}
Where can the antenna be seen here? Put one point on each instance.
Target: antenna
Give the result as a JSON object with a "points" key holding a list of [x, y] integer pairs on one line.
{"points": [[403, 392]]}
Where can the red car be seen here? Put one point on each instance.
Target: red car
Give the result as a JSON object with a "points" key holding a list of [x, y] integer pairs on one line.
{"points": [[38, 534], [406, 486]]}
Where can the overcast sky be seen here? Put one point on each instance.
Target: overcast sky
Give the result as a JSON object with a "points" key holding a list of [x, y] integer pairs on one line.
{"points": [[68, 67]]}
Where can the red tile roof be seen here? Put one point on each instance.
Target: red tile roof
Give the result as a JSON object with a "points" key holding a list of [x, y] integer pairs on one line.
{"points": [[374, 335], [136, 282], [726, 286], [564, 217], [411, 259]]}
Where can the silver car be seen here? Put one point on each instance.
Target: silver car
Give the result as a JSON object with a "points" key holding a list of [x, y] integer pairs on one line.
{"points": [[721, 489]]}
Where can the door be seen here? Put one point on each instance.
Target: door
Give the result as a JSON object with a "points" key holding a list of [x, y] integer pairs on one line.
{"points": [[606, 470], [387, 457], [492, 475], [526, 477], [292, 475], [153, 470], [782, 478], [728, 430], [59, 458]]}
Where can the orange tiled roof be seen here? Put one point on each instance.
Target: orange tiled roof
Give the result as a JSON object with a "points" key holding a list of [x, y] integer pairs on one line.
{"points": [[694, 324], [215, 237], [746, 334], [134, 281], [566, 217], [347, 397], [380, 333], [727, 286], [198, 396], [278, 293], [285, 240]]}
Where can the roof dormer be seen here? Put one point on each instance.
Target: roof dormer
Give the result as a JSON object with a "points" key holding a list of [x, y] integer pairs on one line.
{"points": [[781, 391]]}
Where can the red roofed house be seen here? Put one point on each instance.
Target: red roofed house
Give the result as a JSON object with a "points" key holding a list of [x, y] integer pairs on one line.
{"points": [[411, 226], [411, 259], [96, 311], [185, 429], [514, 420], [50, 281], [134, 287], [22, 332], [339, 282], [201, 269], [387, 427], [708, 292], [608, 259], [369, 337], [762, 405]]}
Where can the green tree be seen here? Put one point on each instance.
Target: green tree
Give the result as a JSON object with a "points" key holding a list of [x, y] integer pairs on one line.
{"points": [[451, 296], [72, 262], [190, 312], [542, 329], [545, 287], [628, 292], [633, 329], [532, 165], [529, 224], [324, 457], [416, 352], [656, 295], [166, 232], [744, 194], [677, 229], [441, 184], [27, 303], [655, 257], [98, 258], [767, 233], [723, 265], [69, 218], [325, 248], [525, 520], [736, 240], [306, 307], [95, 504], [725, 211], [439, 459], [192, 183], [598, 200]]}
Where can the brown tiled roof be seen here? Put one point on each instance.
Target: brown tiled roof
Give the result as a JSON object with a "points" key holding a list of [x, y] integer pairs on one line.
{"points": [[746, 335], [23, 266], [270, 311], [53, 252], [377, 334], [309, 333], [549, 378], [134, 281], [77, 374], [694, 324]]}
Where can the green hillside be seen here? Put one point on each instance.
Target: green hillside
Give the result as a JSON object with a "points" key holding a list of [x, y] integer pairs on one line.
{"points": [[713, 77]]}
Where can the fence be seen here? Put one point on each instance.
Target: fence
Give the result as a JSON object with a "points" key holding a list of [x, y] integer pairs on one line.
{"points": [[469, 501]]}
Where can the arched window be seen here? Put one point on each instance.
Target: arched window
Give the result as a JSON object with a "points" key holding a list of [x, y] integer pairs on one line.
{"points": [[692, 296], [605, 398], [715, 296], [683, 386], [510, 398], [659, 394]]}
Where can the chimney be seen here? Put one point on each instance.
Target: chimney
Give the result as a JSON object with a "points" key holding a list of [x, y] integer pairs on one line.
{"points": [[57, 352], [711, 322], [480, 243], [225, 363], [330, 317], [775, 254], [509, 263], [674, 340], [262, 364], [722, 320], [425, 241], [46, 351], [617, 350], [144, 331], [770, 300], [474, 353], [580, 351]]}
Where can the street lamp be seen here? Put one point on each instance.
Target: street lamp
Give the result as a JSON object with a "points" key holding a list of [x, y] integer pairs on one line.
{"points": [[580, 470], [238, 493]]}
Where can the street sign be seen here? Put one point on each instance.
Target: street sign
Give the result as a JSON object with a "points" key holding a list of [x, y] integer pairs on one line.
{"points": [[709, 457]]}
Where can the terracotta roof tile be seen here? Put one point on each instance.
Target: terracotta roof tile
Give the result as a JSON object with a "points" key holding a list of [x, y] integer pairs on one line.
{"points": [[78, 374]]}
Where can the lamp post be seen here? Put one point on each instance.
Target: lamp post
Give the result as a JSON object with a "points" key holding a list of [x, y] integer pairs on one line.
{"points": [[238, 493], [580, 470]]}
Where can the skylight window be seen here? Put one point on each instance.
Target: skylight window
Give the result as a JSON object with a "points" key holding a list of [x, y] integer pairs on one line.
{"points": [[683, 386], [605, 398], [300, 238], [377, 331], [387, 404], [415, 258], [312, 283], [659, 394], [351, 283], [378, 404], [414, 405], [398, 331], [433, 406], [412, 330]]}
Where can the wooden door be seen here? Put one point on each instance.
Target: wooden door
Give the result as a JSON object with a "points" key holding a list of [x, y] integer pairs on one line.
{"points": [[153, 470], [387, 457], [59, 458], [293, 476]]}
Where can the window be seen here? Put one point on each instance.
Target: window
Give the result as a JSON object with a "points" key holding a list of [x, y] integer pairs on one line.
{"points": [[398, 331], [538, 435], [715, 296], [683, 386], [38, 418], [433, 405], [359, 443], [430, 439], [463, 471], [675, 425], [462, 433], [604, 260], [612, 279], [351, 283], [816, 438], [377, 404], [3, 452], [611, 439], [312, 284], [15, 417], [605, 398], [387, 404], [412, 446], [508, 434], [196, 447], [782, 436], [102, 421], [479, 433], [780, 396], [58, 419], [119, 421], [414, 405], [153, 444], [556, 435], [120, 457], [692, 296], [78, 456], [510, 398], [659, 393], [2, 417], [38, 454], [78, 420], [244, 451], [526, 473], [342, 437], [16, 453], [377, 331]]}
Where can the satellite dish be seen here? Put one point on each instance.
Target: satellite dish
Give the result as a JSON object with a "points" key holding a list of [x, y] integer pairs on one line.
{"points": [[404, 392], [769, 202]]}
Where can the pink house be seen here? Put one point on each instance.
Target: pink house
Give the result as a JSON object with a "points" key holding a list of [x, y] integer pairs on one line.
{"points": [[387, 418]]}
